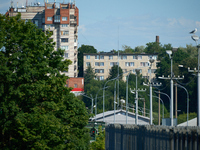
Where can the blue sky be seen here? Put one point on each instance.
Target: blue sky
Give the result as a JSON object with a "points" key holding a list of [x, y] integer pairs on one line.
{"points": [[110, 24]]}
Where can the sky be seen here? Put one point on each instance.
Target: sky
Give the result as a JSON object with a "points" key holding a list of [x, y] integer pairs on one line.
{"points": [[110, 24]]}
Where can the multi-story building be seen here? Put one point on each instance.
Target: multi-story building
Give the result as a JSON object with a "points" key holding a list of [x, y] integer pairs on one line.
{"points": [[103, 62], [61, 20]]}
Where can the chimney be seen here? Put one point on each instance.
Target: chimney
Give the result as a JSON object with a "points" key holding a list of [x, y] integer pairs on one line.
{"points": [[157, 39]]}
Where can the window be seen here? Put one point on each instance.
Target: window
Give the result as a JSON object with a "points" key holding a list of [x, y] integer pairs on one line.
{"points": [[97, 57], [123, 57], [101, 77], [129, 64], [152, 70], [66, 55], [49, 7], [49, 25], [64, 18], [99, 70], [64, 40], [139, 57], [101, 63], [144, 64], [110, 57], [64, 32], [43, 20], [135, 57], [97, 64], [75, 86], [56, 18], [64, 25], [113, 63], [101, 57], [64, 47], [87, 64], [35, 22], [49, 18], [87, 56]]}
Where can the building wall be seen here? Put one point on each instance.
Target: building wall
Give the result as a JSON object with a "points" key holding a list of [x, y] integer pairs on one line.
{"points": [[39, 15], [126, 62], [78, 81]]}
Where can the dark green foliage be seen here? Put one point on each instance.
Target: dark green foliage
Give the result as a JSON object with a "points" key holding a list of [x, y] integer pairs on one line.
{"points": [[114, 72], [37, 110], [81, 50]]}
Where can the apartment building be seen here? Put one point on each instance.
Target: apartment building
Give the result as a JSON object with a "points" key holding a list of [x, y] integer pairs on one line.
{"points": [[103, 62], [62, 20]]}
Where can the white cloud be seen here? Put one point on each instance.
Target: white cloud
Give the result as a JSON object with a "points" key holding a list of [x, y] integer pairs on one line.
{"points": [[172, 21]]}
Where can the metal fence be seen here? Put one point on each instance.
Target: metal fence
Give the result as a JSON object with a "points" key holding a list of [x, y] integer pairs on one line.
{"points": [[138, 137]]}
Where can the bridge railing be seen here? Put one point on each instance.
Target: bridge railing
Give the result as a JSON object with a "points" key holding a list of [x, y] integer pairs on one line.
{"points": [[139, 137]]}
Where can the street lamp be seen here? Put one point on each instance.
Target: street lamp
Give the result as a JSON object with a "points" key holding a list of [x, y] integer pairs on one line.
{"points": [[92, 101], [150, 86], [162, 103], [104, 93], [169, 52], [196, 38], [187, 100], [135, 91]]}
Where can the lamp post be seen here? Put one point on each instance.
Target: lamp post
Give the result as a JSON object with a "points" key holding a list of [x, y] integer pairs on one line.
{"points": [[162, 103], [169, 52], [96, 102], [135, 91], [127, 97], [196, 38], [187, 100], [104, 93], [150, 87], [92, 101]]}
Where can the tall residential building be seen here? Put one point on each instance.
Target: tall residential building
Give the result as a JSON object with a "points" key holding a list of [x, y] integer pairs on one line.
{"points": [[103, 62], [62, 20]]}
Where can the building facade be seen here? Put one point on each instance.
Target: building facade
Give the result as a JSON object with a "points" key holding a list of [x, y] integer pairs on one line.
{"points": [[103, 62], [77, 84], [61, 20]]}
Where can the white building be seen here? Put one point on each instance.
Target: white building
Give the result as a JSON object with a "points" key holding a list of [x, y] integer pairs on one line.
{"points": [[103, 62]]}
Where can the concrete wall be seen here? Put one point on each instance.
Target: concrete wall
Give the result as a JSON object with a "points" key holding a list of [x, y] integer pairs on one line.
{"points": [[133, 137]]}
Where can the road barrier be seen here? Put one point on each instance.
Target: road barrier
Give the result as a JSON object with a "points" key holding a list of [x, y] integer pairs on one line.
{"points": [[146, 137]]}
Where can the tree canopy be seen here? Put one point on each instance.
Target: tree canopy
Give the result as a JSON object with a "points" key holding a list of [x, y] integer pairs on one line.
{"points": [[114, 72], [37, 111], [81, 50]]}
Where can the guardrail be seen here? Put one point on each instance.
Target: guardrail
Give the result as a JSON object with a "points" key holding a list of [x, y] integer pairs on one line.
{"points": [[139, 137]]}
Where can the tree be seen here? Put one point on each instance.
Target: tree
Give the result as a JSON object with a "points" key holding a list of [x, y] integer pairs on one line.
{"points": [[37, 110], [89, 74], [139, 49], [153, 47], [81, 50], [127, 49], [114, 72]]}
